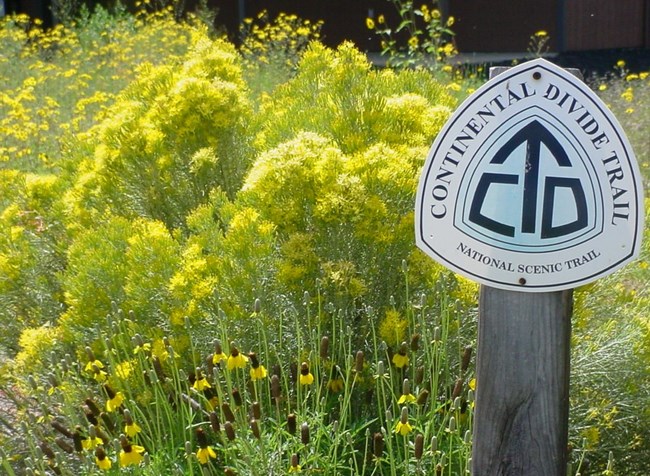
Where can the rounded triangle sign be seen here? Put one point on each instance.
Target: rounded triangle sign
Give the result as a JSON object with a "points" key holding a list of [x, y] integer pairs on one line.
{"points": [[531, 185]]}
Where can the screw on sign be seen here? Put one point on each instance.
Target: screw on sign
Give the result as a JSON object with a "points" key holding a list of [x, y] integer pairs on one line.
{"points": [[531, 189]]}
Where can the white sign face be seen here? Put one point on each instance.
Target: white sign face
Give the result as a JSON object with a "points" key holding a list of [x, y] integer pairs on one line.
{"points": [[531, 185]]}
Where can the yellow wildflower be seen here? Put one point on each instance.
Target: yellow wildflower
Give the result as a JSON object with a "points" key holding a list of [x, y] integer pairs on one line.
{"points": [[628, 95], [236, 360], [408, 398], [146, 348], [295, 467], [541, 33], [102, 461], [90, 366], [413, 42], [217, 358], [306, 377], [200, 383], [448, 49], [257, 371], [426, 14], [204, 454], [95, 366], [131, 428], [124, 369], [100, 375], [205, 451], [218, 355], [91, 443], [403, 426], [131, 455], [115, 399], [400, 359], [370, 23]]}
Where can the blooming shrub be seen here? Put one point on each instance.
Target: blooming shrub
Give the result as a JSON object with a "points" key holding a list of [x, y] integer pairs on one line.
{"points": [[55, 84], [228, 261], [124, 262], [339, 96], [173, 135]]}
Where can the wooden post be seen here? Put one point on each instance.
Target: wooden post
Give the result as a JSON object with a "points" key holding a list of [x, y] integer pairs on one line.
{"points": [[522, 384]]}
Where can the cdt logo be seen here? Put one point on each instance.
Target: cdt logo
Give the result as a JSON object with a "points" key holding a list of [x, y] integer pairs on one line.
{"points": [[531, 189]]}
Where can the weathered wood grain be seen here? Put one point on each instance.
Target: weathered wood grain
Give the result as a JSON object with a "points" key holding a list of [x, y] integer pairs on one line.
{"points": [[522, 393]]}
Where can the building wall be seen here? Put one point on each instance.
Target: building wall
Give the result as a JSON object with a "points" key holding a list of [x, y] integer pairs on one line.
{"points": [[598, 24], [480, 25], [504, 25]]}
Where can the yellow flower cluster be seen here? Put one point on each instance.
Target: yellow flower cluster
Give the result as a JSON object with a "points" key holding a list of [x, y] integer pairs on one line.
{"points": [[429, 36], [57, 82], [279, 40]]}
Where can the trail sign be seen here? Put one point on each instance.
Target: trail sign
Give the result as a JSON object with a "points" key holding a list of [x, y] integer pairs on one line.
{"points": [[531, 185]]}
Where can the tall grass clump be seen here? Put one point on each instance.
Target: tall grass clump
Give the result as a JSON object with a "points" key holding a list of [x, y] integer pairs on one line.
{"points": [[610, 389], [626, 92], [313, 401]]}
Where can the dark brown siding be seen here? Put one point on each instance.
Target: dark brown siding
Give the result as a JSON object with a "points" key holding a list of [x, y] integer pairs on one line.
{"points": [[598, 24], [490, 25]]}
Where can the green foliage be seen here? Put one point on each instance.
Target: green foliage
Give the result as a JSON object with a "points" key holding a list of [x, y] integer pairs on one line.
{"points": [[122, 262], [66, 11], [32, 247], [422, 38], [272, 48], [339, 96], [611, 366], [172, 136], [337, 407], [56, 83], [626, 92]]}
